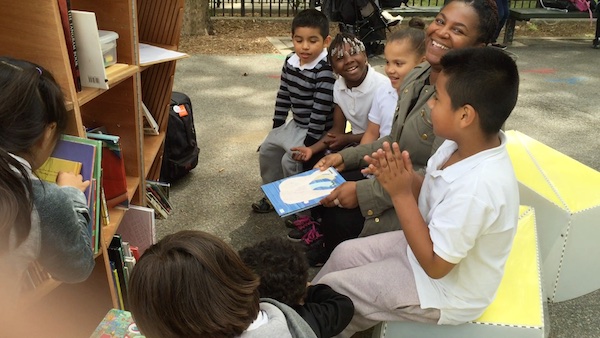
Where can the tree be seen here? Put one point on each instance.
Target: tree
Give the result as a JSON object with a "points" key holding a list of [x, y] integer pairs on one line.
{"points": [[196, 18]]}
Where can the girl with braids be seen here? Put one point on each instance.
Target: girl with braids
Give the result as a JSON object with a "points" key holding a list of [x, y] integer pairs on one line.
{"points": [[362, 208], [353, 93], [38, 221], [404, 50]]}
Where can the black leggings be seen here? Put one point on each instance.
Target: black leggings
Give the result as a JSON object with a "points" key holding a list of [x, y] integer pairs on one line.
{"points": [[340, 224]]}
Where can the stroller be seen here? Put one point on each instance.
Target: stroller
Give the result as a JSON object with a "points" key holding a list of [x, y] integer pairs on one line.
{"points": [[371, 29]]}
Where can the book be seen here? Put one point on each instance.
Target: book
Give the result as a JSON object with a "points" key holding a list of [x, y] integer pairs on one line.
{"points": [[115, 254], [114, 178], [153, 203], [89, 50], [66, 18], [150, 55], [160, 195], [138, 227], [150, 125], [301, 191], [50, 169], [69, 147], [117, 323]]}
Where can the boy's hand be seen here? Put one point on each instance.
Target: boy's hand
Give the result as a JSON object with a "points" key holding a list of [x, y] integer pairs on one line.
{"points": [[336, 141], [392, 168], [71, 180], [301, 153], [332, 160], [343, 196]]}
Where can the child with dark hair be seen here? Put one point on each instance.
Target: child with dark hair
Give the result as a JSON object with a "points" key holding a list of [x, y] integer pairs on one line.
{"points": [[193, 284], [283, 271], [458, 220], [307, 90], [39, 221]]}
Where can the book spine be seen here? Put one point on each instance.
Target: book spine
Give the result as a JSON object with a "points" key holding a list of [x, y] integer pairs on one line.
{"points": [[67, 22]]}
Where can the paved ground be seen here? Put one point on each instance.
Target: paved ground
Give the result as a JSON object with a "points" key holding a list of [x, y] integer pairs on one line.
{"points": [[233, 99]]}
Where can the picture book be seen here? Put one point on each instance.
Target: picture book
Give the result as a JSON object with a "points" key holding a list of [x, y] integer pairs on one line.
{"points": [[117, 323], [138, 227], [114, 178], [301, 191], [50, 169]]}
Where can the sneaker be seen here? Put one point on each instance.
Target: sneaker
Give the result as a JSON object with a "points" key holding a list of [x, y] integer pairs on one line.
{"points": [[294, 221], [497, 45], [596, 43], [263, 206], [316, 253], [303, 225]]}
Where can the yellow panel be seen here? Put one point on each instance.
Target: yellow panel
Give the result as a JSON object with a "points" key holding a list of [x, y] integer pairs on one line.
{"points": [[527, 171], [519, 297], [576, 184]]}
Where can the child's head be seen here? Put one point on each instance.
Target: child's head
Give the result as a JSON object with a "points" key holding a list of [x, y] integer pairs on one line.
{"points": [[348, 58], [310, 34], [404, 50], [482, 83], [282, 268], [192, 284], [32, 110]]}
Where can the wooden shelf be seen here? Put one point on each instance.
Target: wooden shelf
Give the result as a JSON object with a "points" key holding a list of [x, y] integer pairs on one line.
{"points": [[152, 147], [115, 74]]}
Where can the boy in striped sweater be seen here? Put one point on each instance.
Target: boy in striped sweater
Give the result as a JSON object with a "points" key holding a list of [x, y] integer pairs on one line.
{"points": [[307, 90]]}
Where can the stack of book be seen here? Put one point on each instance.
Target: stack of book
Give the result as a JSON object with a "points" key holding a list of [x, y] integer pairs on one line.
{"points": [[157, 196]]}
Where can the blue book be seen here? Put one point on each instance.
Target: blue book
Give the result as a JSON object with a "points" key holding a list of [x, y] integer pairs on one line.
{"points": [[301, 191]]}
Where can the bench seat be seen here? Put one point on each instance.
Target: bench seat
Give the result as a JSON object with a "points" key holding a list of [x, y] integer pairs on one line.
{"points": [[566, 196], [526, 14], [519, 309], [410, 11]]}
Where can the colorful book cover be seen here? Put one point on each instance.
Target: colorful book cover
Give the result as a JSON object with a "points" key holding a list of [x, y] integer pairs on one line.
{"points": [[50, 169], [73, 142], [117, 323], [301, 191]]}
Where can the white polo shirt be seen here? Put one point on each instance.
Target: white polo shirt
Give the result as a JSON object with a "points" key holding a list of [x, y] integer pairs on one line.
{"points": [[356, 102], [472, 209], [383, 108]]}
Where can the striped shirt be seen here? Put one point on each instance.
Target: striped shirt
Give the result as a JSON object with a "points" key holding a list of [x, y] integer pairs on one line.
{"points": [[308, 91]]}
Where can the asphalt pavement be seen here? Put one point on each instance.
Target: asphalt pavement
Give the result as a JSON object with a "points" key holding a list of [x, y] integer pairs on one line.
{"points": [[233, 99]]}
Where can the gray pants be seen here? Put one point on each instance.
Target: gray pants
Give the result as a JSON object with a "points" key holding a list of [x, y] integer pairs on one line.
{"points": [[275, 156], [375, 273]]}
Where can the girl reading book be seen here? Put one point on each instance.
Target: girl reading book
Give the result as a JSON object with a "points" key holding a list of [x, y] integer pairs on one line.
{"points": [[41, 221]]}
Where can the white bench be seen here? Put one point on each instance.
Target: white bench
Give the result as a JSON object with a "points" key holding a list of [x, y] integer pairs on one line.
{"points": [[519, 309], [566, 196]]}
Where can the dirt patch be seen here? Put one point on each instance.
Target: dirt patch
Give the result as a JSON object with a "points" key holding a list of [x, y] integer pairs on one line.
{"points": [[240, 36]]}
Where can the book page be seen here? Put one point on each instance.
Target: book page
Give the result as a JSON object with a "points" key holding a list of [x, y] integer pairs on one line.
{"points": [[150, 55]]}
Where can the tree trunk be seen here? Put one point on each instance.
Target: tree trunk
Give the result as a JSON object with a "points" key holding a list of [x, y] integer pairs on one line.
{"points": [[196, 18]]}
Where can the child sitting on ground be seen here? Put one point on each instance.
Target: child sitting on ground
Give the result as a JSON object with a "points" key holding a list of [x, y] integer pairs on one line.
{"points": [[404, 50], [283, 271], [307, 90], [458, 221], [193, 284]]}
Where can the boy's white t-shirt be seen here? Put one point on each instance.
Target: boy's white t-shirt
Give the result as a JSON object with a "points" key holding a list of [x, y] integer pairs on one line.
{"points": [[471, 208], [356, 102], [383, 108]]}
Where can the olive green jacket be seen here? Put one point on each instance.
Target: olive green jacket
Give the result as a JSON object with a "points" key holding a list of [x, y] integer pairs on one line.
{"points": [[414, 132]]}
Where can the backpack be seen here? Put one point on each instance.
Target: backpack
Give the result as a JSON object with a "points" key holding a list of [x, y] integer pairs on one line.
{"points": [[181, 151]]}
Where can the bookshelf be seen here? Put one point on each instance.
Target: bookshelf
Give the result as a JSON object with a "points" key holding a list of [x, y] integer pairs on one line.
{"points": [[39, 38]]}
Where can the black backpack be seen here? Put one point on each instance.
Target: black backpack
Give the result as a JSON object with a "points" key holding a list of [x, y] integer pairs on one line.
{"points": [[181, 148]]}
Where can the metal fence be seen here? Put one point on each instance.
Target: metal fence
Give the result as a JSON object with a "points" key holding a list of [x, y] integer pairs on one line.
{"points": [[289, 8]]}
